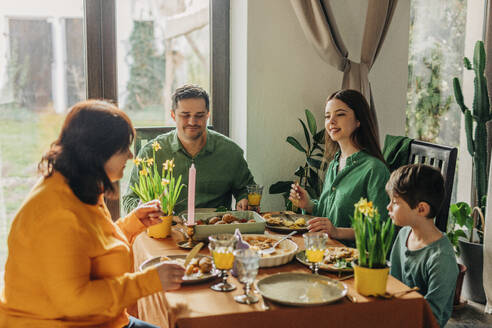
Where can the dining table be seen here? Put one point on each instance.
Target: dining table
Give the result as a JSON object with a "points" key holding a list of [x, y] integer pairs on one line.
{"points": [[198, 305]]}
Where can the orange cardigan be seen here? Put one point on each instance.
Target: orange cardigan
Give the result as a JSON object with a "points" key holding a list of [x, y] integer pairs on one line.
{"points": [[69, 265]]}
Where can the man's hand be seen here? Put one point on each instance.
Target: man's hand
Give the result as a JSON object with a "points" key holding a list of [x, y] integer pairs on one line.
{"points": [[242, 205], [323, 225]]}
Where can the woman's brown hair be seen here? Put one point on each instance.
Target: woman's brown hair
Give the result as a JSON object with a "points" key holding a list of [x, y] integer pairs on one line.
{"points": [[363, 137], [93, 131]]}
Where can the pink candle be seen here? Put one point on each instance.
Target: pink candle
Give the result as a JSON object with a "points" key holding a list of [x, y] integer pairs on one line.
{"points": [[191, 194]]}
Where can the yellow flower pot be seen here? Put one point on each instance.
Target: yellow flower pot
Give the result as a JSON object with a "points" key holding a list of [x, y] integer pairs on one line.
{"points": [[161, 230], [370, 281]]}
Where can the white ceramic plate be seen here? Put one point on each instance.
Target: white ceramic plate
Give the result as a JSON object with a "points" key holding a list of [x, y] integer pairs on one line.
{"points": [[301, 289]]}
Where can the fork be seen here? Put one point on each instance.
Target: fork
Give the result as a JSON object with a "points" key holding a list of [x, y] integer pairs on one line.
{"points": [[272, 249]]}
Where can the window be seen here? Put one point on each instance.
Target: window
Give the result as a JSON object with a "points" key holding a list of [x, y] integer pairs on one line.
{"points": [[42, 53]]}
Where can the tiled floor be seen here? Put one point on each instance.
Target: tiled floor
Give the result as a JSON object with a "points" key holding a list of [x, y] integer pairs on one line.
{"points": [[471, 315]]}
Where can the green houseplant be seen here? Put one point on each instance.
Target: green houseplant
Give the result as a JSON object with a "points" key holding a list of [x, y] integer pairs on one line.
{"points": [[373, 239], [154, 183], [477, 122], [308, 174]]}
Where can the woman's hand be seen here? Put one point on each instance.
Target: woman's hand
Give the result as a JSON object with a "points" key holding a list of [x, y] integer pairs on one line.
{"points": [[242, 205], [300, 198], [323, 225], [171, 275], [149, 213]]}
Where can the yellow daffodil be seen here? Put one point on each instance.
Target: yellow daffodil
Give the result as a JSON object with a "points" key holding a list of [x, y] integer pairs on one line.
{"points": [[150, 161], [156, 146], [165, 182], [365, 207], [168, 165], [144, 172], [137, 161]]}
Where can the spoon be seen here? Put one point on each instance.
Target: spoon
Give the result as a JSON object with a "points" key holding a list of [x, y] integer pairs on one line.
{"points": [[272, 249]]}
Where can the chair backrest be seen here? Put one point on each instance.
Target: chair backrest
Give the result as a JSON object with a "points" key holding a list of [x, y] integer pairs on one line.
{"points": [[442, 158], [146, 134]]}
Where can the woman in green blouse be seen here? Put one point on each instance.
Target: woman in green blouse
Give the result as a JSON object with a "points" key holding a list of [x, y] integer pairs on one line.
{"points": [[356, 167]]}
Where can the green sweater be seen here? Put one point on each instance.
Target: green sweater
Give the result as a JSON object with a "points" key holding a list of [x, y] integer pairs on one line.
{"points": [[433, 269], [221, 171], [362, 176]]}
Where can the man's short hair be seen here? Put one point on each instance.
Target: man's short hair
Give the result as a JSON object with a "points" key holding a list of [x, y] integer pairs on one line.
{"points": [[189, 91], [417, 183]]}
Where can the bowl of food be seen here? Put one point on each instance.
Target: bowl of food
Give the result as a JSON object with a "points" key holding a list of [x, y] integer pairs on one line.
{"points": [[284, 252], [207, 224]]}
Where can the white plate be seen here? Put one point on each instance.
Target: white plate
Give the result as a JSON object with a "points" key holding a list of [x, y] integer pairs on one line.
{"points": [[301, 289]]}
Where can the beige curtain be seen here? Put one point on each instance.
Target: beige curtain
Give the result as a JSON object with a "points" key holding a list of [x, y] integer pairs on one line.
{"points": [[487, 242], [318, 23]]}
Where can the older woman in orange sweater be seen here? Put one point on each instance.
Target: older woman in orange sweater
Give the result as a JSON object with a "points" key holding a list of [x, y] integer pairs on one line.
{"points": [[69, 265]]}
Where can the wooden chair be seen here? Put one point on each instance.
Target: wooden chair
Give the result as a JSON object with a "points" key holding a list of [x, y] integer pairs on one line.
{"points": [[442, 158], [145, 134]]}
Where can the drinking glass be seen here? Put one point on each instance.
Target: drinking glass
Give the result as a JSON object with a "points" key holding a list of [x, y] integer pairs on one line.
{"points": [[254, 196], [222, 246], [247, 264], [315, 243]]}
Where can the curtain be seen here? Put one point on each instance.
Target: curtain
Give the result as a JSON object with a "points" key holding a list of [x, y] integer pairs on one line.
{"points": [[318, 23], [487, 240]]}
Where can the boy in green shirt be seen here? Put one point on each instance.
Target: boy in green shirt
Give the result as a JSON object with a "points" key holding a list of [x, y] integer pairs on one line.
{"points": [[422, 255]]}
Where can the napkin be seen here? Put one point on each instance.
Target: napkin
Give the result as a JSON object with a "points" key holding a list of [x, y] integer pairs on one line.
{"points": [[241, 244]]}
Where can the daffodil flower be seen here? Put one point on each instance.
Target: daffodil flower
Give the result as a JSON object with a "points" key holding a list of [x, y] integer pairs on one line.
{"points": [[156, 146], [144, 172], [165, 182], [150, 161], [137, 161]]}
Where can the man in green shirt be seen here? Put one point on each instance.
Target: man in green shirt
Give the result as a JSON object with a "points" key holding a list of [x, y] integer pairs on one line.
{"points": [[221, 170]]}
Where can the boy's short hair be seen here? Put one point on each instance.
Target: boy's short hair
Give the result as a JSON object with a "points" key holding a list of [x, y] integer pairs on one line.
{"points": [[417, 183], [189, 91]]}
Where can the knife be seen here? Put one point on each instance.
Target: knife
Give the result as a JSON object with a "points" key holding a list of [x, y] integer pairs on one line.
{"points": [[193, 253]]}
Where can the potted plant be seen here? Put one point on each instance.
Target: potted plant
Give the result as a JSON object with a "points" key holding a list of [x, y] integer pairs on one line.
{"points": [[308, 174], [373, 239], [158, 184], [477, 125], [463, 234]]}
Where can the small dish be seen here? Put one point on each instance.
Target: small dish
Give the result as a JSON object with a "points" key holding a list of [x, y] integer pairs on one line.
{"points": [[287, 249], [301, 257]]}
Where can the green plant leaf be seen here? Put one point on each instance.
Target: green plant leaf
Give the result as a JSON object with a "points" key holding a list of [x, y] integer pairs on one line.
{"points": [[319, 137], [311, 121], [280, 187], [293, 141], [299, 172], [306, 134], [314, 162]]}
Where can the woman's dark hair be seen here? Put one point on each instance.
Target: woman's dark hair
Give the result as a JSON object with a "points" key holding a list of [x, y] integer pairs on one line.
{"points": [[363, 137], [93, 131]]}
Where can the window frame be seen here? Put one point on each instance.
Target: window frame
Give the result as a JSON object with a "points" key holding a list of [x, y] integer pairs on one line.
{"points": [[102, 73]]}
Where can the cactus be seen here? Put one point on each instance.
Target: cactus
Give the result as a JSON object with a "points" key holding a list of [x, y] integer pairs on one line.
{"points": [[477, 144]]}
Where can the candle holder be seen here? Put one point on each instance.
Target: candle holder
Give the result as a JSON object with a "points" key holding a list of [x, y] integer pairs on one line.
{"points": [[188, 231]]}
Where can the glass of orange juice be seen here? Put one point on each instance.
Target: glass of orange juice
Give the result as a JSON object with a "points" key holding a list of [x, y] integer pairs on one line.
{"points": [[222, 246], [315, 243], [254, 196]]}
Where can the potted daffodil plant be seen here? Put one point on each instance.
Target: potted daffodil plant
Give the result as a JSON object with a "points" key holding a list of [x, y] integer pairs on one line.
{"points": [[373, 238], [158, 183]]}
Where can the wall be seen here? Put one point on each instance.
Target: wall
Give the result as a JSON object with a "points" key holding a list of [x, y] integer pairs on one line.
{"points": [[285, 76]]}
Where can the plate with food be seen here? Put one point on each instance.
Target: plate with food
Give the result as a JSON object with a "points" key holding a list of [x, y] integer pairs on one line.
{"points": [[336, 258], [199, 270], [286, 221], [284, 252]]}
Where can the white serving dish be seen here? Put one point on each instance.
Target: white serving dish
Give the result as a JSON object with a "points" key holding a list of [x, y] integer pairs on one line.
{"points": [[289, 247]]}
